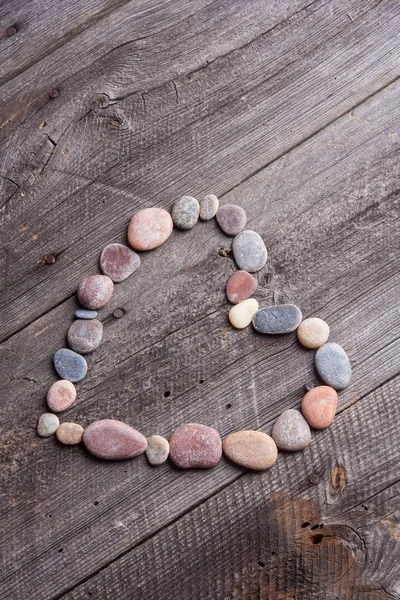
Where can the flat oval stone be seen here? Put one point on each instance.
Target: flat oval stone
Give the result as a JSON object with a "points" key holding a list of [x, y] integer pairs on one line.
{"points": [[313, 332], [149, 228], [70, 365], [241, 315], [251, 449], [118, 262], [61, 395], [319, 406], [291, 431], [85, 336], [69, 433], [333, 365], [282, 318], [47, 425], [208, 207], [249, 251], [195, 446], [157, 449], [240, 286], [113, 440], [231, 219], [185, 212], [84, 313], [95, 291]]}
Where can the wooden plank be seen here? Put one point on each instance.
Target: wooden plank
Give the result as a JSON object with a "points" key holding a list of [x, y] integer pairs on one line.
{"points": [[341, 185]]}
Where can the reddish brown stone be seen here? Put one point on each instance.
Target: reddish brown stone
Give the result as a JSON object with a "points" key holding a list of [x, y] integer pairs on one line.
{"points": [[231, 219], [118, 262], [240, 286], [195, 446], [95, 291], [319, 406], [113, 440], [149, 228], [61, 395]]}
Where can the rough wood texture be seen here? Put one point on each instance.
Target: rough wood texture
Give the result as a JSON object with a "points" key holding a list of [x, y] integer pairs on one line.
{"points": [[290, 109]]}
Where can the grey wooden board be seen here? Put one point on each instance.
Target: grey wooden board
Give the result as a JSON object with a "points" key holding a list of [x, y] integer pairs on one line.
{"points": [[328, 210]]}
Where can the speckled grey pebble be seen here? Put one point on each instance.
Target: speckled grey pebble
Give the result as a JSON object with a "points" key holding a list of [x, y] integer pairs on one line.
{"points": [[208, 207], [185, 212], [282, 318], [70, 365], [231, 218], [157, 450], [333, 365], [85, 336], [249, 251], [291, 431], [47, 425], [83, 313]]}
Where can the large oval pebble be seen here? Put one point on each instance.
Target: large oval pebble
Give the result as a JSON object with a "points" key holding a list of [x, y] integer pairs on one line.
{"points": [[319, 406], [208, 207], [47, 425], [333, 365], [251, 449], [240, 286], [70, 365], [113, 440], [84, 313], [241, 315], [85, 336], [283, 318], [195, 446], [249, 251], [313, 332], [231, 219], [118, 262], [157, 449], [291, 431], [149, 228], [185, 212], [95, 291], [61, 395], [69, 433]]}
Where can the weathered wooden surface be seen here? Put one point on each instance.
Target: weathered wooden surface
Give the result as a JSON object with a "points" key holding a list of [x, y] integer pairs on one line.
{"points": [[290, 109]]}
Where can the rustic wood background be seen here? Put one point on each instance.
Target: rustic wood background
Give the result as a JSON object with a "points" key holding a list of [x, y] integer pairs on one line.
{"points": [[290, 108]]}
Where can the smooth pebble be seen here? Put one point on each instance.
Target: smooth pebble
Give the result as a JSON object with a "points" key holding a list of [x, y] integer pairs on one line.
{"points": [[149, 228], [118, 262], [70, 365], [282, 318], [251, 449], [333, 365], [208, 207], [195, 446], [113, 440], [95, 291], [241, 315], [240, 286], [185, 212], [231, 218], [313, 332], [69, 433], [84, 313], [61, 395], [319, 406], [157, 449], [291, 431], [85, 336], [47, 425], [249, 251]]}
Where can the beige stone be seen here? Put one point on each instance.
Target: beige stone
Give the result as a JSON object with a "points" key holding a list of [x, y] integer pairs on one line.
{"points": [[61, 395], [252, 449], [157, 449], [241, 315], [313, 332], [69, 433]]}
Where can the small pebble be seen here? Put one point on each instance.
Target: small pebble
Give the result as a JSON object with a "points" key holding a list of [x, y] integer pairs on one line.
{"points": [[69, 433], [149, 228], [118, 262], [157, 449], [47, 425], [241, 315], [251, 449], [282, 318], [249, 251], [70, 365], [185, 212], [83, 313], [291, 431], [113, 440], [118, 313], [195, 446], [313, 332], [319, 406], [240, 286], [85, 335], [61, 395], [95, 291], [333, 365], [231, 219], [208, 207]]}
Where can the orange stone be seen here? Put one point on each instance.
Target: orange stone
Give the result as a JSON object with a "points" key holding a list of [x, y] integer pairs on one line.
{"points": [[251, 449], [149, 228], [319, 406], [61, 395]]}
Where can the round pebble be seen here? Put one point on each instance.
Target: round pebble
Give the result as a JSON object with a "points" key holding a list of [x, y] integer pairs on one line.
{"points": [[61, 395], [291, 431], [149, 228], [84, 313], [157, 449], [195, 446], [85, 336], [333, 365], [241, 315], [95, 291], [47, 425], [185, 212], [70, 365], [231, 219], [118, 262], [283, 318], [113, 440], [251, 449], [240, 286], [319, 406], [313, 332], [69, 433], [249, 251], [208, 207]]}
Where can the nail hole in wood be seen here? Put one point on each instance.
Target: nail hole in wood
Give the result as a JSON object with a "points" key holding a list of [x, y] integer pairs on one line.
{"points": [[317, 539], [261, 564], [305, 524], [167, 393], [229, 405]]}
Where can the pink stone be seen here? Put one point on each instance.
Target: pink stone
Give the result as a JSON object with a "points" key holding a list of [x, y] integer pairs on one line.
{"points": [[113, 440], [95, 291], [149, 228], [231, 219], [195, 446], [61, 395], [319, 406], [240, 286], [85, 335], [118, 262]]}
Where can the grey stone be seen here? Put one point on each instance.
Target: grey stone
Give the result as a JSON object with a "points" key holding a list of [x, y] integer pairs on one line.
{"points": [[84, 313], [185, 212], [283, 318], [231, 219], [85, 336], [208, 207], [333, 365], [70, 365], [47, 425], [157, 449], [249, 251], [291, 431]]}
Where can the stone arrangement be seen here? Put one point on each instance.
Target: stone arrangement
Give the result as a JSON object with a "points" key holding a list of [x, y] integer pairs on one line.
{"points": [[194, 445]]}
